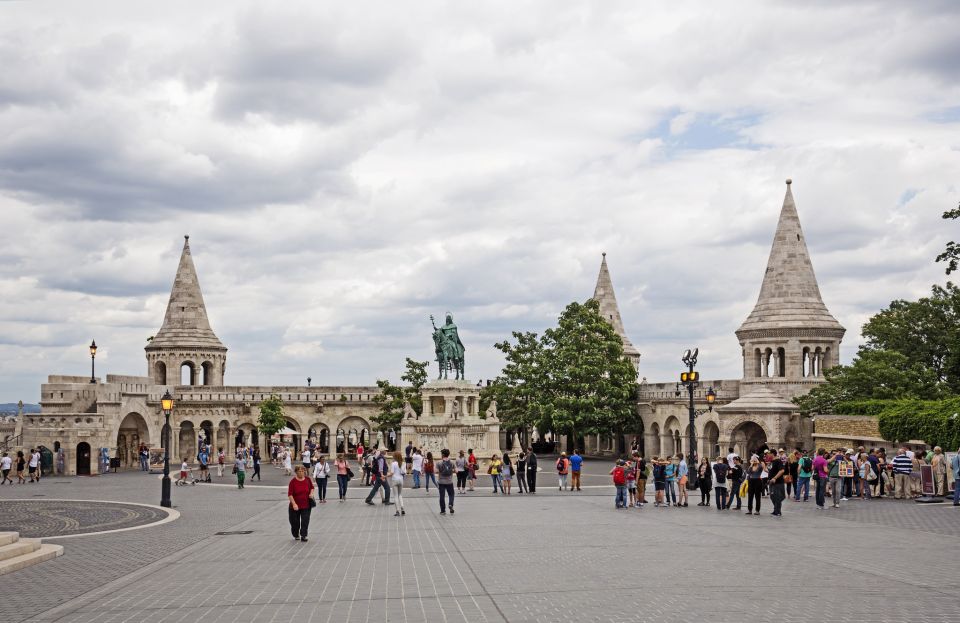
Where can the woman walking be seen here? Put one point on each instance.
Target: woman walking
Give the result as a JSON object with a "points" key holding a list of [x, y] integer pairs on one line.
{"points": [[321, 471], [705, 478], [521, 472], [462, 473], [342, 475], [506, 473], [563, 467], [428, 472], [256, 464], [287, 462], [471, 469], [21, 463], [300, 494], [396, 474], [754, 485], [494, 471]]}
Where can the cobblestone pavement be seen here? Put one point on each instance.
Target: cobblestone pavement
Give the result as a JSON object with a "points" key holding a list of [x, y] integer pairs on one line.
{"points": [[49, 518], [550, 557]]}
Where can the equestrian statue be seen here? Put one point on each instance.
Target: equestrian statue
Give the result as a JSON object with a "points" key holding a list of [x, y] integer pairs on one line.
{"points": [[449, 348]]}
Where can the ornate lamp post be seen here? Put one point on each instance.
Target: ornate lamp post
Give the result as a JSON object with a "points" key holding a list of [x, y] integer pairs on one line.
{"points": [[93, 357], [308, 381], [166, 403], [691, 380]]}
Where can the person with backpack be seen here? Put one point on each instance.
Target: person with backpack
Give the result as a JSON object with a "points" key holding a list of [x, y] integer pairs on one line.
{"points": [[532, 471], [563, 467], [379, 473], [720, 471], [804, 473], [445, 469], [736, 479], [659, 480], [620, 482], [631, 474]]}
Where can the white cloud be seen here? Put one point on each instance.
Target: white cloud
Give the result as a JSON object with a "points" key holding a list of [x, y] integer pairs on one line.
{"points": [[345, 171]]}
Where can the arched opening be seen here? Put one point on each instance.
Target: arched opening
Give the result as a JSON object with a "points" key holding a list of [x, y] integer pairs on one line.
{"points": [[83, 459], [133, 436], [768, 363], [341, 441], [654, 448], [711, 440], [356, 431], [160, 373], [187, 442], [207, 368], [757, 363], [805, 362], [748, 439], [781, 362], [223, 437], [319, 436], [188, 373], [205, 434]]}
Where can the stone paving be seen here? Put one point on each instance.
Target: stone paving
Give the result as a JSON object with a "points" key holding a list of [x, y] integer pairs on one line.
{"points": [[553, 557], [52, 518]]}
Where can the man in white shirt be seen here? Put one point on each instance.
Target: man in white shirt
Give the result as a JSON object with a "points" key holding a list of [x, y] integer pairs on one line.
{"points": [[417, 467], [5, 464], [731, 458], [34, 465], [305, 457]]}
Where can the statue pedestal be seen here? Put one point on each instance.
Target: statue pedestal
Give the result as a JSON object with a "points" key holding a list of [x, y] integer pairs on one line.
{"points": [[451, 419]]}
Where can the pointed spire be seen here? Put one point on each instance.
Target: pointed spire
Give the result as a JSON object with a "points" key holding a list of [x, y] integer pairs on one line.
{"points": [[603, 294], [186, 323], [789, 296]]}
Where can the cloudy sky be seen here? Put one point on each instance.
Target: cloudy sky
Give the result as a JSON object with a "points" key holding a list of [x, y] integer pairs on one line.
{"points": [[345, 171]]}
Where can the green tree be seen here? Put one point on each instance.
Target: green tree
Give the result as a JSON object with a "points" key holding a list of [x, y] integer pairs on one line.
{"points": [[873, 374], [589, 386], [520, 389], [951, 253], [271, 417], [392, 398]]}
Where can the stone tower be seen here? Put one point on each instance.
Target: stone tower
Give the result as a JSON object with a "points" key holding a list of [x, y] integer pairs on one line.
{"points": [[604, 295], [186, 339], [790, 337]]}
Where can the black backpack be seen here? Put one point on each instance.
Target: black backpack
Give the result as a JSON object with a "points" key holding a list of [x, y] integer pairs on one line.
{"points": [[445, 469]]}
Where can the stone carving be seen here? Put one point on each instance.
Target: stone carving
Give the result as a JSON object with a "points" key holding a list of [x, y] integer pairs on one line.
{"points": [[408, 412], [455, 409], [319, 408], [491, 411], [449, 348]]}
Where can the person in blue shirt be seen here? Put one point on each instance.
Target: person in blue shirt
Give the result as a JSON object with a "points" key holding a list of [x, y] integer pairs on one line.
{"points": [[671, 474], [576, 462], [204, 459], [683, 473]]}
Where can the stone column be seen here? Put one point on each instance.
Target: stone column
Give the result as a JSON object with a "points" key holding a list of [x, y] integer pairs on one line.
{"points": [[649, 440], [427, 406], [666, 444]]}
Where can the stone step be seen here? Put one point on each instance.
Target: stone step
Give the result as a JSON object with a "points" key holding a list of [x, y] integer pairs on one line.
{"points": [[18, 548], [8, 537], [46, 552]]}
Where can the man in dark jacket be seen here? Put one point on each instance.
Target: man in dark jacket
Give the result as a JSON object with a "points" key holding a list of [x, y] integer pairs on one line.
{"points": [[532, 471], [378, 470]]}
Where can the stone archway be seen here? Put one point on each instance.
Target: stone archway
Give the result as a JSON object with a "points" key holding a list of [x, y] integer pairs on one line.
{"points": [[83, 459], [710, 440], [131, 434], [654, 446], [747, 438], [319, 434], [187, 441], [355, 430]]}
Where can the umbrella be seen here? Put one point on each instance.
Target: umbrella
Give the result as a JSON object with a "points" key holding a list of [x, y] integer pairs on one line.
{"points": [[286, 430]]}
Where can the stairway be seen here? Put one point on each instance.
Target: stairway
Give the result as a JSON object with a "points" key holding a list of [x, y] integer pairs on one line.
{"points": [[17, 553]]}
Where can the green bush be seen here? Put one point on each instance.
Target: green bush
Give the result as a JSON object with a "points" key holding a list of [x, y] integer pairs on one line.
{"points": [[862, 407], [936, 422]]}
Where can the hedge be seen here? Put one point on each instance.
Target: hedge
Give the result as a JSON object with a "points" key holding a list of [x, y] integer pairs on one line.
{"points": [[936, 422]]}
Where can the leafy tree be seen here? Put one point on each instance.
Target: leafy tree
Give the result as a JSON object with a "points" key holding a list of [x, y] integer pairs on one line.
{"points": [[874, 374], [520, 389], [271, 417], [951, 253], [392, 398]]}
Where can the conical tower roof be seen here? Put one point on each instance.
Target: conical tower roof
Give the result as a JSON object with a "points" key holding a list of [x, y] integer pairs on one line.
{"points": [[605, 296], [185, 323], [789, 297]]}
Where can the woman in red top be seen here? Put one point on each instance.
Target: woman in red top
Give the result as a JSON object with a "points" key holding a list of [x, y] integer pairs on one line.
{"points": [[300, 494]]}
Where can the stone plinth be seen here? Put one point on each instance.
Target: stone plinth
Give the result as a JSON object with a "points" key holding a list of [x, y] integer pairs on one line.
{"points": [[452, 419]]}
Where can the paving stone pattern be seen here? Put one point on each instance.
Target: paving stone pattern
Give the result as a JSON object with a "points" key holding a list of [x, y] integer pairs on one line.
{"points": [[553, 557], [49, 518]]}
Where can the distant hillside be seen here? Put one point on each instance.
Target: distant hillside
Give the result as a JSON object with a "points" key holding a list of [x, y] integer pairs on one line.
{"points": [[11, 407]]}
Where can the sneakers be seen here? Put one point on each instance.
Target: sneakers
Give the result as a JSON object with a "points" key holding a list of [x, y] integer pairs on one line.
{"points": [[451, 510], [445, 512], [367, 502], [303, 539]]}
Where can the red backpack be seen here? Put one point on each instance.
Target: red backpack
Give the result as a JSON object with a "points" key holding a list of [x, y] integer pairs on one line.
{"points": [[619, 478]]}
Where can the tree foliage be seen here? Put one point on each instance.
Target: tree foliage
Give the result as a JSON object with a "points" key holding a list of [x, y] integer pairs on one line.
{"points": [[951, 253], [573, 379], [392, 398], [271, 417], [936, 422]]}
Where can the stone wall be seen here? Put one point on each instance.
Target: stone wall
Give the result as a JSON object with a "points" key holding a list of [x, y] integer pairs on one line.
{"points": [[848, 431]]}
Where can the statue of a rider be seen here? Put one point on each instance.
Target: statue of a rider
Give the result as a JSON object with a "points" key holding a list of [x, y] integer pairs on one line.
{"points": [[449, 348]]}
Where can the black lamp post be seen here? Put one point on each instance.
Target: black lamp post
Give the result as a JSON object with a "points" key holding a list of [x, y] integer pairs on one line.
{"points": [[308, 381], [93, 357], [166, 403], [691, 380]]}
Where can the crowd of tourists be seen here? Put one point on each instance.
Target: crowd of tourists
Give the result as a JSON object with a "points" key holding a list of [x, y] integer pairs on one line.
{"points": [[31, 462], [840, 474]]}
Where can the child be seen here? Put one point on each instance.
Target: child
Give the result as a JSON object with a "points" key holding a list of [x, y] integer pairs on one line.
{"points": [[184, 472], [620, 482], [631, 468]]}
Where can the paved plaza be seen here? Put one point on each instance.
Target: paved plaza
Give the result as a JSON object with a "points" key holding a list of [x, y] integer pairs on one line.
{"points": [[550, 557]]}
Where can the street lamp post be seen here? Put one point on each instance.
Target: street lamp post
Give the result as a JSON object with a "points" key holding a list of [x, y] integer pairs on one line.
{"points": [[93, 357], [166, 403], [691, 380]]}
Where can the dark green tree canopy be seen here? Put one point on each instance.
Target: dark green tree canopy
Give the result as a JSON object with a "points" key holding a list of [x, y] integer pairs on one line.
{"points": [[271, 417], [951, 253]]}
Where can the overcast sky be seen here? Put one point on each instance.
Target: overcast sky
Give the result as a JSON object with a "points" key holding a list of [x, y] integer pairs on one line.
{"points": [[346, 170]]}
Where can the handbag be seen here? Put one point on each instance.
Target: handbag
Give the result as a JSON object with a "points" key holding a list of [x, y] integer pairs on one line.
{"points": [[743, 489], [313, 502], [234, 469], [788, 478], [349, 474]]}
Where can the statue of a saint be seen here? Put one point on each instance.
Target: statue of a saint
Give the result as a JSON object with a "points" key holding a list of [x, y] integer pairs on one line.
{"points": [[449, 348]]}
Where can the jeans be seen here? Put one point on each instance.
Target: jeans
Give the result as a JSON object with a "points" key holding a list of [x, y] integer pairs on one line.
{"points": [[496, 482], [322, 488], [448, 490], [802, 484], [299, 521], [721, 493], [427, 477], [379, 482], [836, 484], [522, 480], [143, 464], [532, 479], [753, 493], [821, 491], [777, 495], [956, 491], [669, 492], [621, 496], [342, 481], [735, 493], [563, 481], [256, 471], [416, 479]]}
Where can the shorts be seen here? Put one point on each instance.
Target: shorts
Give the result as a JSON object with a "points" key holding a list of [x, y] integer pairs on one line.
{"points": [[632, 485], [659, 486], [683, 481], [183, 475], [32, 468]]}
